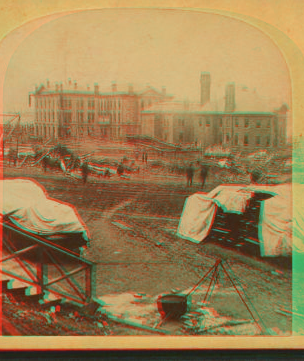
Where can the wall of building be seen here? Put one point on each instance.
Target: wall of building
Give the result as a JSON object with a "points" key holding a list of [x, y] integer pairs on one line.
{"points": [[46, 116], [204, 129], [147, 124], [178, 125], [85, 114], [248, 130], [129, 117]]}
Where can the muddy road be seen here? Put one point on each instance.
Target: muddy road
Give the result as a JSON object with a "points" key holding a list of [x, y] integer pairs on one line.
{"points": [[132, 226]]}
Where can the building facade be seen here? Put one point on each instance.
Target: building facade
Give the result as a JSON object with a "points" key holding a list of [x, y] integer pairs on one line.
{"points": [[240, 119], [68, 111]]}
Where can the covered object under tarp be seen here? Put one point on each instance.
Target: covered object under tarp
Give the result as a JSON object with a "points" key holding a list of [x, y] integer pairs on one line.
{"points": [[273, 221], [25, 205]]}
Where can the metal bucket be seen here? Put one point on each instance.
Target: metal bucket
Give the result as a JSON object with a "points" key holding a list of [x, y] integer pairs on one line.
{"points": [[172, 306]]}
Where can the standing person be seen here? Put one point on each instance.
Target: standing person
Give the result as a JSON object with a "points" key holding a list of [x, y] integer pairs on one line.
{"points": [[255, 176], [44, 163], [85, 172], [189, 174], [146, 157], [203, 174], [136, 154], [120, 169], [143, 157]]}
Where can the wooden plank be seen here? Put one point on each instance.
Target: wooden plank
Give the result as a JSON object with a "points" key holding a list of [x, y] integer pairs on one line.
{"points": [[17, 253], [66, 275], [90, 283]]}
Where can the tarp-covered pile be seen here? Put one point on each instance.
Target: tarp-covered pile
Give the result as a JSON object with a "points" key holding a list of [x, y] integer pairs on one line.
{"points": [[275, 218], [26, 204]]}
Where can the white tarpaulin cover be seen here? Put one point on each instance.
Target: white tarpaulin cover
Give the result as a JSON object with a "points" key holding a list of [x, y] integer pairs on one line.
{"points": [[28, 207], [197, 218], [275, 225], [275, 231], [232, 198]]}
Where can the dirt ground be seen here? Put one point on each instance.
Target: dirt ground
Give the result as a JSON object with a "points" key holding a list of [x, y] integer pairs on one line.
{"points": [[145, 256]]}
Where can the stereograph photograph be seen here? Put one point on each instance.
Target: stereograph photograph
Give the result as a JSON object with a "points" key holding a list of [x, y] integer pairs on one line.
{"points": [[149, 168]]}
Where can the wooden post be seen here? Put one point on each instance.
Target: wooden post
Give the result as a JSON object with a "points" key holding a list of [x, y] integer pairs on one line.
{"points": [[42, 272], [90, 275]]}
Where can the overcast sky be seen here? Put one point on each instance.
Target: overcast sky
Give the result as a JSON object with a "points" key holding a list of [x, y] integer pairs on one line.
{"points": [[157, 47]]}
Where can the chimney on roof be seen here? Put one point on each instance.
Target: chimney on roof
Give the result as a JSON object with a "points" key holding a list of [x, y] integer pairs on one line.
{"points": [[164, 91], [70, 82], [75, 84], [114, 87], [205, 87], [131, 89], [47, 83], [56, 87], [96, 88], [61, 87], [230, 97]]}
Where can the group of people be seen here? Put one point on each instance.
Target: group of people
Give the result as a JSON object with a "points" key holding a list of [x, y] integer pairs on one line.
{"points": [[144, 155], [190, 171]]}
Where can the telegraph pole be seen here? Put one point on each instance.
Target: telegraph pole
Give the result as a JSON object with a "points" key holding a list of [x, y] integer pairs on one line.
{"points": [[17, 133]]}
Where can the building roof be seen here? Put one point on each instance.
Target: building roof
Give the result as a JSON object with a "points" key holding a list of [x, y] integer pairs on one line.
{"points": [[247, 102], [182, 107], [166, 106], [123, 89]]}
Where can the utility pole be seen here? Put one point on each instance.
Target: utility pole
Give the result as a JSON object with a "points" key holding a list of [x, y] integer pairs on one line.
{"points": [[17, 133]]}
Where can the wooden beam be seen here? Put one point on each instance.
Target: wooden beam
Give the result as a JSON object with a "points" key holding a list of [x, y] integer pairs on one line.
{"points": [[90, 283], [17, 253], [66, 275]]}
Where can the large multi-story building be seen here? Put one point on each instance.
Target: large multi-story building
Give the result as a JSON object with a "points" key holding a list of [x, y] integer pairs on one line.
{"points": [[69, 111], [240, 119]]}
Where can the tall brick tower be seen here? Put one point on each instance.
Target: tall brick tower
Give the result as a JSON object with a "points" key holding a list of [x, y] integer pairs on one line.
{"points": [[205, 87]]}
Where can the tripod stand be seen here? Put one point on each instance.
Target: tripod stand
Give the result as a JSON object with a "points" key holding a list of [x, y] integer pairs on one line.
{"points": [[224, 267]]}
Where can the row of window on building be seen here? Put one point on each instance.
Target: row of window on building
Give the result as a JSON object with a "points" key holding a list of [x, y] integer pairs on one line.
{"points": [[165, 122], [237, 122], [49, 116], [66, 103], [45, 131], [237, 141], [46, 116]]}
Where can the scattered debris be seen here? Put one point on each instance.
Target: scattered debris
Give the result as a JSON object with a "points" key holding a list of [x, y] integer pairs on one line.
{"points": [[207, 321], [276, 272]]}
